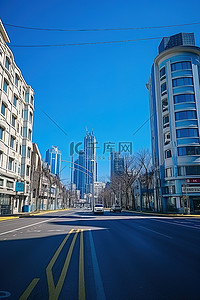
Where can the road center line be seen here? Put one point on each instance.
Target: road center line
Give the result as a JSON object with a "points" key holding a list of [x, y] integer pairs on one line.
{"points": [[100, 294], [29, 289], [26, 226]]}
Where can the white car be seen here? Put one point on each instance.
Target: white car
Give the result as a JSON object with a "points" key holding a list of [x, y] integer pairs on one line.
{"points": [[98, 209]]}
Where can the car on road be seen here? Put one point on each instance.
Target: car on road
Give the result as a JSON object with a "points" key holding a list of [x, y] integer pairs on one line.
{"points": [[98, 209], [116, 208]]}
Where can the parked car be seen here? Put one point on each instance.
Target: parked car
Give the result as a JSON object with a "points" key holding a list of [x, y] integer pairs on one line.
{"points": [[98, 209], [116, 208]]}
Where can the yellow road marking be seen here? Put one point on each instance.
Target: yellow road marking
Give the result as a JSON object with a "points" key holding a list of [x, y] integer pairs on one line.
{"points": [[54, 291], [29, 289], [65, 268], [81, 269], [8, 218], [50, 280]]}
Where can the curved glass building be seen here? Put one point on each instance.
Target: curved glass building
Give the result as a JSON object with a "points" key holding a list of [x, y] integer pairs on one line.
{"points": [[174, 93]]}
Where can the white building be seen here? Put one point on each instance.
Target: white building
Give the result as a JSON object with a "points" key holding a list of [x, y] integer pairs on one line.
{"points": [[174, 92], [98, 188], [16, 121]]}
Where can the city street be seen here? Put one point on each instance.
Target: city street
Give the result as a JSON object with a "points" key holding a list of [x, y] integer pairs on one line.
{"points": [[77, 255]]}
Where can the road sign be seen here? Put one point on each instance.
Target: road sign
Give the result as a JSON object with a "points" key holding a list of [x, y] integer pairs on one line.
{"points": [[19, 187]]}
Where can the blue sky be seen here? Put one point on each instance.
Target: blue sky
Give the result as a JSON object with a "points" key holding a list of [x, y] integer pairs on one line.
{"points": [[98, 86]]}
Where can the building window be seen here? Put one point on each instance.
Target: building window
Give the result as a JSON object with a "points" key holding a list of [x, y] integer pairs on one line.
{"points": [[16, 147], [187, 132], [1, 159], [23, 150], [29, 152], [24, 132], [168, 153], [26, 113], [1, 182], [1, 133], [22, 169], [163, 87], [15, 101], [27, 171], [164, 105], [13, 120], [184, 98], [27, 97], [3, 109], [29, 134], [5, 86], [167, 138], [185, 115], [182, 81], [10, 164], [12, 141], [32, 99], [166, 121], [181, 171], [31, 117], [183, 65], [192, 170], [162, 72], [7, 63], [9, 184], [188, 150], [168, 172], [16, 80]]}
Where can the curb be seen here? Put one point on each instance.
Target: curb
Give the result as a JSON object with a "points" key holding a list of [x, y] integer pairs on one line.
{"points": [[31, 214], [163, 215]]}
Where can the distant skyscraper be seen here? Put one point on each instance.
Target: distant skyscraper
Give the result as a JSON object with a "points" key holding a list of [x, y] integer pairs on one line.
{"points": [[116, 164], [90, 159], [53, 158], [79, 173]]}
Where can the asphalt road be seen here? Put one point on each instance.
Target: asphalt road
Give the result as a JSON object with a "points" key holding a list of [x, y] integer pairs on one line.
{"points": [[77, 255]]}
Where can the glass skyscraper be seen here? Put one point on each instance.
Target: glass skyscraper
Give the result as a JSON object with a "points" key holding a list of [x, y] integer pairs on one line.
{"points": [[53, 158], [90, 160], [85, 165], [174, 93], [116, 164]]}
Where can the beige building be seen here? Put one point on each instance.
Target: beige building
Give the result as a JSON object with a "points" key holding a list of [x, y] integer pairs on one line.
{"points": [[16, 121]]}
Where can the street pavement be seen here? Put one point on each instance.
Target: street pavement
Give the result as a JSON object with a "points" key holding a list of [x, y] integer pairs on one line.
{"points": [[75, 254]]}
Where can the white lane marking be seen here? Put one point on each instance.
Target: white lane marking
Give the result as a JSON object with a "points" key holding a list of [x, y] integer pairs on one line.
{"points": [[167, 236], [175, 223], [100, 294], [13, 230]]}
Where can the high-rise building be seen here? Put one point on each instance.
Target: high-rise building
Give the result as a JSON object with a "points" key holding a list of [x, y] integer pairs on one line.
{"points": [[174, 92], [53, 158], [79, 173], [116, 164], [90, 160], [16, 121]]}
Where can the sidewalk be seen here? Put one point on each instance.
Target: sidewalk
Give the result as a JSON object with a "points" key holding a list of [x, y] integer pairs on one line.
{"points": [[163, 214], [29, 214]]}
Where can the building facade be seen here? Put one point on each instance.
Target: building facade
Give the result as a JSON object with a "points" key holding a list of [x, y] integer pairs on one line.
{"points": [[16, 122], [90, 160], [79, 173], [116, 164], [53, 158], [174, 93]]}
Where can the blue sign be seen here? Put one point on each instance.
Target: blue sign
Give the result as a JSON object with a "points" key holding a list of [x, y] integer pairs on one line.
{"points": [[19, 187]]}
